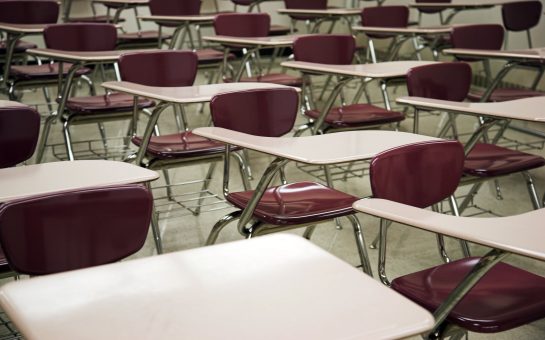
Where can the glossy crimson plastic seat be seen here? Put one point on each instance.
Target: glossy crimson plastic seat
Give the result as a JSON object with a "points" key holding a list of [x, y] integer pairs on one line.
{"points": [[489, 37], [77, 229], [505, 298], [451, 81], [384, 16], [19, 130], [251, 25], [521, 16], [272, 113], [339, 50]]}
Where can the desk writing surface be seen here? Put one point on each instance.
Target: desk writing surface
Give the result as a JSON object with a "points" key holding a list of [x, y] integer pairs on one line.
{"points": [[270, 287], [520, 234], [529, 109], [47, 178], [330, 148], [389, 69], [185, 94], [84, 56], [537, 54]]}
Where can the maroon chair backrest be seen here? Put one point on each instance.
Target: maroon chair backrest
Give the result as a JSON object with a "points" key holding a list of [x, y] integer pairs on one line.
{"points": [[419, 174], [19, 130], [385, 16], [431, 10], [305, 4], [81, 37], [482, 37], [243, 2], [175, 7], [159, 68], [264, 112], [242, 24], [521, 16], [444, 81], [29, 11], [325, 49], [76, 229]]}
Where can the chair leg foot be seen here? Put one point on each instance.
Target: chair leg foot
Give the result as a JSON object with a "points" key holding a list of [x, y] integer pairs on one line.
{"points": [[222, 223]]}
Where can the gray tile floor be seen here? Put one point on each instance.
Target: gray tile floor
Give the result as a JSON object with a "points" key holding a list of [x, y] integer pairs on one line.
{"points": [[408, 249]]}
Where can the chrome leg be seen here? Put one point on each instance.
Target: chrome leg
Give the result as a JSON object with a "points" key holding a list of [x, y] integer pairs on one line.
{"points": [[222, 223], [43, 138], [532, 190], [155, 228], [360, 242], [463, 243], [68, 140], [168, 184], [382, 252], [243, 168], [205, 186], [441, 241], [309, 231], [102, 131]]}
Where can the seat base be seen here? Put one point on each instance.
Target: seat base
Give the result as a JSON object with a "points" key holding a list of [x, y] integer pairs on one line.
{"points": [[96, 18], [297, 203], [506, 297], [43, 72], [357, 115], [180, 145], [275, 78], [489, 160], [114, 102], [504, 94]]}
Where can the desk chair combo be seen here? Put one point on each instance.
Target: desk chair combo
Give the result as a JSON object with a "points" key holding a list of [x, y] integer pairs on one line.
{"points": [[384, 16], [289, 205], [173, 150], [484, 161], [490, 37], [338, 50], [474, 294], [85, 37]]}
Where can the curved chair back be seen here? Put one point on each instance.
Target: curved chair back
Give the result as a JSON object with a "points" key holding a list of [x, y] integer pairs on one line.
{"points": [[385, 16], [432, 10], [482, 37], [243, 2], [73, 230], [444, 81], [162, 68], [81, 37], [175, 7], [243, 24], [264, 112], [521, 16], [19, 130], [305, 4], [325, 49], [29, 11], [419, 174]]}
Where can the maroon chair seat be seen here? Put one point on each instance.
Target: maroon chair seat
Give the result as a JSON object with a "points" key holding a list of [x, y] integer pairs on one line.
{"points": [[275, 78], [506, 297], [113, 102], [141, 37], [208, 56], [20, 47], [489, 160], [357, 115], [279, 30], [43, 72], [180, 145], [103, 19], [504, 94], [297, 203]]}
